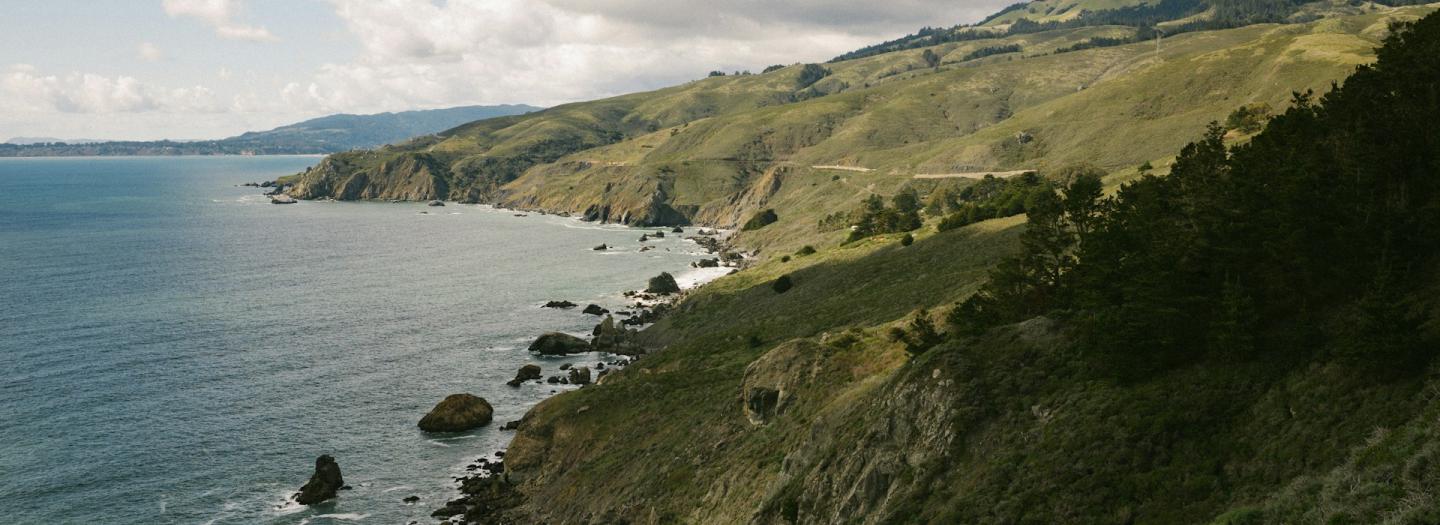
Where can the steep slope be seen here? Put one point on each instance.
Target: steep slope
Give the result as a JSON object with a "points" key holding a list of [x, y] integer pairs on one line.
{"points": [[803, 406], [718, 150]]}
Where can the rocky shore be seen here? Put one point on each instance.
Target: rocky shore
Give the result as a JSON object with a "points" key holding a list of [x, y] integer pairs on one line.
{"points": [[485, 492]]}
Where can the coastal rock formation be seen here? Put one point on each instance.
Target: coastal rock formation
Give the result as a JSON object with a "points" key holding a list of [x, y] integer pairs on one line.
{"points": [[435, 203], [526, 373], [556, 343], [457, 413], [282, 199], [595, 309], [580, 375], [323, 483], [613, 339], [663, 284], [560, 304], [600, 248]]}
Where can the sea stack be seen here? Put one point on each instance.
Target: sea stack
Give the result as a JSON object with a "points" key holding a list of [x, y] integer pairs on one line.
{"points": [[457, 413], [323, 483]]}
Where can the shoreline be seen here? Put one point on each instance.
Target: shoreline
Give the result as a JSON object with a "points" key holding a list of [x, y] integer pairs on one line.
{"points": [[632, 311]]}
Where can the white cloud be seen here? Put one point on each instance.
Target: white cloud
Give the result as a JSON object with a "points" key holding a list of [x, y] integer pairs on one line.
{"points": [[421, 53], [24, 89], [149, 52], [219, 14]]}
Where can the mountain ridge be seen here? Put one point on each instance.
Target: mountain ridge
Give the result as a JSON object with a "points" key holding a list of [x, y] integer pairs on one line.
{"points": [[321, 135]]}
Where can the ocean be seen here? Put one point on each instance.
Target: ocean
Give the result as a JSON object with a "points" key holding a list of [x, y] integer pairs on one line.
{"points": [[176, 349]]}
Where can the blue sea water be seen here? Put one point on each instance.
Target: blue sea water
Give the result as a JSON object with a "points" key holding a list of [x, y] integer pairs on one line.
{"points": [[176, 349]]}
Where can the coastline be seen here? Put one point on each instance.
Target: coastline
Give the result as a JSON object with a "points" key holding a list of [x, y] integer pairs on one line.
{"points": [[632, 310]]}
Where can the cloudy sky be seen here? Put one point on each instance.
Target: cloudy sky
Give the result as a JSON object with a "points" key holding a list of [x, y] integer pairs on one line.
{"points": [[148, 69]]}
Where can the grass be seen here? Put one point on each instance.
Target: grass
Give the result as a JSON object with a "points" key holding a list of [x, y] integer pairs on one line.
{"points": [[720, 149]]}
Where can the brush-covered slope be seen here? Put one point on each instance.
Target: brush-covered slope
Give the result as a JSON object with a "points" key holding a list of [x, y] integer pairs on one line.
{"points": [[1276, 363], [718, 150]]}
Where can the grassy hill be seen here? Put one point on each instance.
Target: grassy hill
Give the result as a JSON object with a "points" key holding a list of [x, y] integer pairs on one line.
{"points": [[718, 150], [806, 407]]}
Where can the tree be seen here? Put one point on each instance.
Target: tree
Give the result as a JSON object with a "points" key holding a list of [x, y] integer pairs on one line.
{"points": [[920, 334], [810, 74], [931, 58]]}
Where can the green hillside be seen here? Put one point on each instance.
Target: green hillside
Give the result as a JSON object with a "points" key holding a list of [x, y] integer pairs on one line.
{"points": [[1247, 340], [718, 150]]}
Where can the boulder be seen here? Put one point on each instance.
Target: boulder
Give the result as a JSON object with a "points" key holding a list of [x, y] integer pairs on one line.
{"points": [[600, 248], [644, 237], [526, 373], [323, 483], [613, 339], [678, 230], [457, 413], [556, 343], [282, 199], [580, 375], [663, 284], [436, 202], [595, 309], [657, 235], [560, 304], [708, 263]]}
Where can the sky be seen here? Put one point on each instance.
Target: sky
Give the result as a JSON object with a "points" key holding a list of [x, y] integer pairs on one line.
{"points": [[195, 69]]}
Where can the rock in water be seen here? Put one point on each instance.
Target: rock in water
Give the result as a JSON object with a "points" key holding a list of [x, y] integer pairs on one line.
{"points": [[663, 284], [282, 199], [600, 248], [595, 309], [556, 343], [526, 373], [436, 202], [560, 304], [580, 375], [323, 483], [458, 412]]}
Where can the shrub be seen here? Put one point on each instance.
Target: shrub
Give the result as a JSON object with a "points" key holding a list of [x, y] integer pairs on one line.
{"points": [[807, 250], [907, 240], [810, 74], [775, 67], [785, 259], [760, 220], [782, 284]]}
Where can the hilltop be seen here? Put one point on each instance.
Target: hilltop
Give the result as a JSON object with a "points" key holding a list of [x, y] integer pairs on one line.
{"points": [[329, 134], [717, 151]]}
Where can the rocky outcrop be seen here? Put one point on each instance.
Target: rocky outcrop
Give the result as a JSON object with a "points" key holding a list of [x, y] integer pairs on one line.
{"points": [[580, 375], [282, 199], [526, 373], [662, 284], [614, 339], [323, 484], [457, 413], [595, 309], [556, 343], [560, 304], [436, 202]]}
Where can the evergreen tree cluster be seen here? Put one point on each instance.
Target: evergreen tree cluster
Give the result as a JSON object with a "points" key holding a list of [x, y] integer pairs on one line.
{"points": [[875, 218], [1321, 234], [991, 198]]}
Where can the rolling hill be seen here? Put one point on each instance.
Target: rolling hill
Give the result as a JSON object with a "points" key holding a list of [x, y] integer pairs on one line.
{"points": [[1178, 324]]}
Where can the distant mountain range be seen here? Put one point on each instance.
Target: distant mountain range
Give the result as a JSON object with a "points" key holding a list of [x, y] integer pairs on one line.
{"points": [[330, 134]]}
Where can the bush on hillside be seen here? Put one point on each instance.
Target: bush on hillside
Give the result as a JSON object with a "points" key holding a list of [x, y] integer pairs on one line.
{"points": [[760, 220], [810, 74], [782, 284]]}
